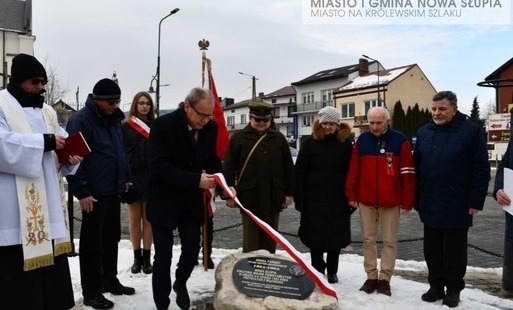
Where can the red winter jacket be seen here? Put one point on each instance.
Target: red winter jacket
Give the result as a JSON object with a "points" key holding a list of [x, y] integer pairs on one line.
{"points": [[381, 172]]}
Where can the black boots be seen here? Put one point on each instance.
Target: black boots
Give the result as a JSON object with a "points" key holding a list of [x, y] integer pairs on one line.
{"points": [[332, 278], [433, 294], [452, 299], [146, 267], [142, 261], [136, 267], [182, 296]]}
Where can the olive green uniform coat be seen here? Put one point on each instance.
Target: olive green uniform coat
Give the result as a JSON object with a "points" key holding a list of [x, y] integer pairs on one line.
{"points": [[269, 175]]}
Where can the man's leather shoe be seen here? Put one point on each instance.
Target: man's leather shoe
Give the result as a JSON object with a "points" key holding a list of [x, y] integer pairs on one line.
{"points": [[332, 278], [117, 289], [433, 294], [182, 296], [384, 287], [98, 302], [369, 286]]}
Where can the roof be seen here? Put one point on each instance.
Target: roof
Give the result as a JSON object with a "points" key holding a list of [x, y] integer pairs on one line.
{"points": [[371, 79], [282, 92], [16, 15], [239, 104], [495, 75], [61, 105], [330, 74]]}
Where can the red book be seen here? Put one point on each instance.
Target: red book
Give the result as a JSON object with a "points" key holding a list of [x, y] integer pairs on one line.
{"points": [[75, 145]]}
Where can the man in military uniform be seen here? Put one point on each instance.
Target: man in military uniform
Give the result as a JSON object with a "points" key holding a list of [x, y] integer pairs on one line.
{"points": [[259, 163]]}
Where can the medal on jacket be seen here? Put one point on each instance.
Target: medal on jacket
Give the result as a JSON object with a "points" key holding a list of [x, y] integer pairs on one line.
{"points": [[390, 158], [382, 148]]}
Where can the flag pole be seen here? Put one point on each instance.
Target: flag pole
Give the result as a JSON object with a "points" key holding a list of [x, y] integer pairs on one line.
{"points": [[203, 44]]}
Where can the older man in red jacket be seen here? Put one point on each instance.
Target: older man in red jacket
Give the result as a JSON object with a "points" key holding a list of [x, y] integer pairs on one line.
{"points": [[380, 182]]}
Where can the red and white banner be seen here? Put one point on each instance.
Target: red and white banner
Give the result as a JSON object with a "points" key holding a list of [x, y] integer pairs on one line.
{"points": [[277, 237]]}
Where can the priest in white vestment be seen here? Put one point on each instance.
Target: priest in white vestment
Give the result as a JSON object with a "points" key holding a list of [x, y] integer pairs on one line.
{"points": [[34, 228]]}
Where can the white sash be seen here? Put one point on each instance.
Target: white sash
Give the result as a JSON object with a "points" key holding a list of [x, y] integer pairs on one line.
{"points": [[34, 218]]}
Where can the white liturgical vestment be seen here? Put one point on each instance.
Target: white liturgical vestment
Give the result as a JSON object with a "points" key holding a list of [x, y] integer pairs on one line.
{"points": [[22, 154]]}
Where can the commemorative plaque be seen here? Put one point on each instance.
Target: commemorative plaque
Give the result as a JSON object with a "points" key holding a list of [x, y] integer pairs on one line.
{"points": [[264, 276]]}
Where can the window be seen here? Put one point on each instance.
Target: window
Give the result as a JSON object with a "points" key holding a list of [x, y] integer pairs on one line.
{"points": [[347, 110], [276, 112], [371, 104], [308, 97], [290, 131], [326, 97], [273, 100], [243, 119], [308, 120], [230, 120]]}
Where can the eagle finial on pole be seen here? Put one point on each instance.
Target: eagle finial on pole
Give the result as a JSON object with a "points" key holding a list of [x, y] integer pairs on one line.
{"points": [[203, 44]]}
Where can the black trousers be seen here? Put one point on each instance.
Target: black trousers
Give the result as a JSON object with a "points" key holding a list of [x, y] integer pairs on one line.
{"points": [[445, 251], [99, 237], [331, 263], [189, 233], [46, 288]]}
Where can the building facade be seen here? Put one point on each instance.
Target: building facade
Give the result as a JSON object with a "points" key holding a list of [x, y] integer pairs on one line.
{"points": [[502, 80], [16, 34], [407, 84], [316, 91]]}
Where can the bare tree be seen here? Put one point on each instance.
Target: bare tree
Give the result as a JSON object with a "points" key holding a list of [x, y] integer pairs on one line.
{"points": [[488, 109], [54, 89]]}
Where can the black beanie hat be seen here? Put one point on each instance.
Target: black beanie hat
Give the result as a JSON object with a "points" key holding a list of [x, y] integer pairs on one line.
{"points": [[25, 67], [106, 89]]}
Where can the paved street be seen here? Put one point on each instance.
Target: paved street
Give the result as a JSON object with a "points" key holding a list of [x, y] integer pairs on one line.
{"points": [[485, 240], [487, 233]]}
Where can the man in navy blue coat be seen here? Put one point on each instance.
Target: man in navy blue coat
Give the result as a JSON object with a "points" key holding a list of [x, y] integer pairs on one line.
{"points": [[103, 175], [451, 162], [182, 159]]}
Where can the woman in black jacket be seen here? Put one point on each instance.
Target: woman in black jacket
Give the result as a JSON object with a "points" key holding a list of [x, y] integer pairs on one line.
{"points": [[321, 170], [136, 134]]}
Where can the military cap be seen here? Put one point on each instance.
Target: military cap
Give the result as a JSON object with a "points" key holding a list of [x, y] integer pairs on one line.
{"points": [[260, 109]]}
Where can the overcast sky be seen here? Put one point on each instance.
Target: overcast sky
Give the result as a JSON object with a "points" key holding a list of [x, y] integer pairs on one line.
{"points": [[84, 41]]}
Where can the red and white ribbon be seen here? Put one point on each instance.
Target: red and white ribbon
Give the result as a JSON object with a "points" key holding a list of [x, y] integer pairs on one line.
{"points": [[277, 237], [139, 126]]}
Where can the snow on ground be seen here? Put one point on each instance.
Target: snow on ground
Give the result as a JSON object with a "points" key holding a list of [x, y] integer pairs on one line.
{"points": [[405, 293]]}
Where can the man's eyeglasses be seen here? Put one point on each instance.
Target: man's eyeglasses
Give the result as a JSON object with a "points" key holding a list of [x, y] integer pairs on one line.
{"points": [[113, 102], [265, 120], [205, 116], [38, 81]]}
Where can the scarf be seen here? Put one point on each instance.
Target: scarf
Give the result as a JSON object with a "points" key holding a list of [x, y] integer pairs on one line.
{"points": [[26, 99]]}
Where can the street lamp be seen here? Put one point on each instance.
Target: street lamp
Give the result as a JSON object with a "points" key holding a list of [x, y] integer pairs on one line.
{"points": [[151, 90], [253, 78], [379, 65], [157, 76]]}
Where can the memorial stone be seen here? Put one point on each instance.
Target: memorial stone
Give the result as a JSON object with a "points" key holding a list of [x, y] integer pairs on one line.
{"points": [[259, 276], [228, 297]]}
